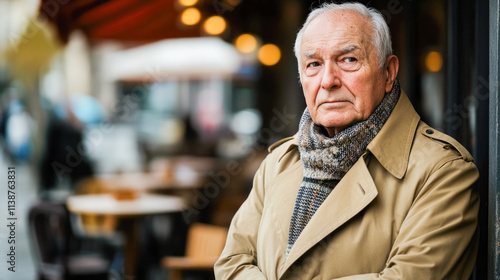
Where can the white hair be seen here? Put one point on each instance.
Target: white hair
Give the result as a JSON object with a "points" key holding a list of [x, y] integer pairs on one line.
{"points": [[381, 37]]}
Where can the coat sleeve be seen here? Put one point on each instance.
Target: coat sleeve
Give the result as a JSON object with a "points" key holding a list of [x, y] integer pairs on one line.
{"points": [[438, 238], [238, 259]]}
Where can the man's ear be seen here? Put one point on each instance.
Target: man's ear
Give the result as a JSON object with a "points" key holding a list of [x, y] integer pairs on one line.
{"points": [[391, 68]]}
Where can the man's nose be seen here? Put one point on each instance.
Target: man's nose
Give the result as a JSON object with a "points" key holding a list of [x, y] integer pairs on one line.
{"points": [[331, 78]]}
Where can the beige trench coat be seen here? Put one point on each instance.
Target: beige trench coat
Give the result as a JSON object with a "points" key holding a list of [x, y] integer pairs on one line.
{"points": [[406, 210]]}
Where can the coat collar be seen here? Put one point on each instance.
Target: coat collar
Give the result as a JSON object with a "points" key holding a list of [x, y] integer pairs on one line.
{"points": [[392, 144]]}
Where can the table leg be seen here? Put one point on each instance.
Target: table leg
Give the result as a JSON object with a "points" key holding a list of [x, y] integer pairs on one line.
{"points": [[130, 229], [175, 274]]}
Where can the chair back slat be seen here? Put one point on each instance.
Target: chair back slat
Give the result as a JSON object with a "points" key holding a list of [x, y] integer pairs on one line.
{"points": [[205, 241]]}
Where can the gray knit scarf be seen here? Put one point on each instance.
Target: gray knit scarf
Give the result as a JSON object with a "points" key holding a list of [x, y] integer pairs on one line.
{"points": [[326, 160]]}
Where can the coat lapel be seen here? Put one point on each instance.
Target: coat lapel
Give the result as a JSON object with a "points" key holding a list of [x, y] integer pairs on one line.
{"points": [[285, 188], [353, 193]]}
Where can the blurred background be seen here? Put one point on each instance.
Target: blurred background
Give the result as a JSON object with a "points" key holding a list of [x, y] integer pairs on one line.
{"points": [[134, 101]]}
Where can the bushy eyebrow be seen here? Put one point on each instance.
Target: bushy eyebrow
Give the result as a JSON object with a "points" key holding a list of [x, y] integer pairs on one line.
{"points": [[309, 54], [341, 52], [347, 49]]}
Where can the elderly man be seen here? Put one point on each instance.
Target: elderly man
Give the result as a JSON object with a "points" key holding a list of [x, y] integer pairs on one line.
{"points": [[364, 190]]}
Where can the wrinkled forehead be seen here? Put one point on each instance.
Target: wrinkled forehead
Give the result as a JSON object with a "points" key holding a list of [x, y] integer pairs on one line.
{"points": [[342, 24]]}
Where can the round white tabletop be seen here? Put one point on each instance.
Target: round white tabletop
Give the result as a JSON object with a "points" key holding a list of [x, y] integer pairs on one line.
{"points": [[106, 204]]}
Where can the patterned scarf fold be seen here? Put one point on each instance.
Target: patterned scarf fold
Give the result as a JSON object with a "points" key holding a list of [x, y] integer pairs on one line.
{"points": [[326, 160]]}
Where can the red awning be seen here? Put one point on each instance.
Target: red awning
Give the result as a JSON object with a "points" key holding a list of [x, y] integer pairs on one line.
{"points": [[124, 20]]}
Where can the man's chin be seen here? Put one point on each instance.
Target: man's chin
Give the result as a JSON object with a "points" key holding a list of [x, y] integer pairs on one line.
{"points": [[336, 122]]}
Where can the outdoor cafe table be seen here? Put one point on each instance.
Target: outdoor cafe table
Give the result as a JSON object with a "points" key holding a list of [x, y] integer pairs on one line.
{"points": [[128, 212]]}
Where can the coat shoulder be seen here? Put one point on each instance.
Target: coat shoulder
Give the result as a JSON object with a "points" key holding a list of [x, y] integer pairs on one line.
{"points": [[285, 142], [437, 145], [282, 155]]}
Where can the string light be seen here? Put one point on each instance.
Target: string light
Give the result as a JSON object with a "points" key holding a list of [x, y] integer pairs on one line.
{"points": [[191, 16], [246, 43], [187, 3], [269, 54], [214, 25]]}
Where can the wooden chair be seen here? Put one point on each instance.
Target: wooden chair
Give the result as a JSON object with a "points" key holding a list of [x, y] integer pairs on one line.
{"points": [[204, 246], [52, 239]]}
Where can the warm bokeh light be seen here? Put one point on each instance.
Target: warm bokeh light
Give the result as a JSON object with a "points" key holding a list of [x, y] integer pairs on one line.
{"points": [[246, 43], [187, 3], [269, 54], [214, 25], [190, 16], [434, 61]]}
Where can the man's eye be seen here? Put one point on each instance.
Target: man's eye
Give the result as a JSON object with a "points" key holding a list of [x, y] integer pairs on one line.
{"points": [[349, 64], [313, 64], [350, 59]]}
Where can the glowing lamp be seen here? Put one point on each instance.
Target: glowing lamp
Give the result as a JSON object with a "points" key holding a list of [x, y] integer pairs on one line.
{"points": [[214, 25], [434, 61], [246, 43], [190, 16], [269, 54]]}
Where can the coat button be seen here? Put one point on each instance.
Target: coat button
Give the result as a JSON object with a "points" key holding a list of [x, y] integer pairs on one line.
{"points": [[429, 131]]}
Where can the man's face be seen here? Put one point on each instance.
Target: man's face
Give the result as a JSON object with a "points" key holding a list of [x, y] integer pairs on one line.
{"points": [[339, 70]]}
